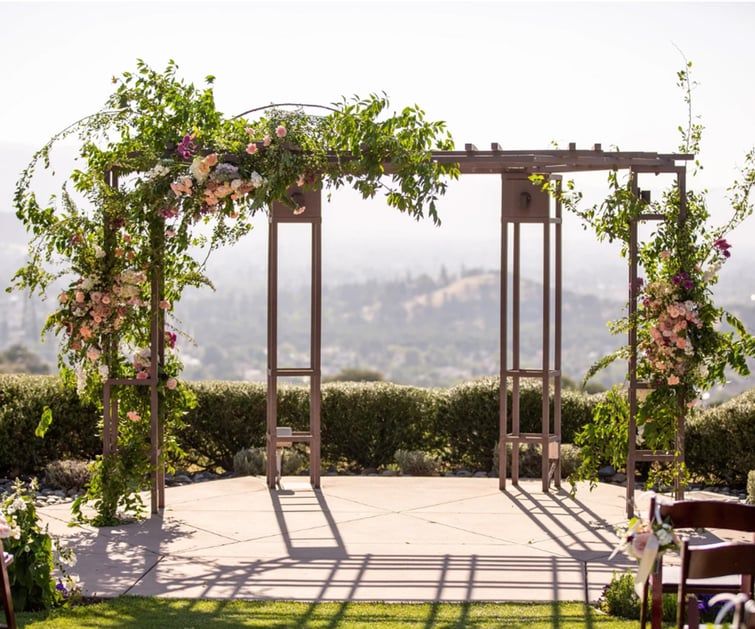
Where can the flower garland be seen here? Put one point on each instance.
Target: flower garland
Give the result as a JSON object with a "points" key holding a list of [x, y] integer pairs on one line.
{"points": [[177, 167], [685, 343]]}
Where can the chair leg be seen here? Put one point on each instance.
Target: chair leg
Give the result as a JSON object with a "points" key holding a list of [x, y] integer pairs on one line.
{"points": [[656, 603], [693, 614], [644, 604], [5, 594]]}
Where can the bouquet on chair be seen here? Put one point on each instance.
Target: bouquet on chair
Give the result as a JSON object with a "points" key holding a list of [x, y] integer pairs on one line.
{"points": [[646, 541]]}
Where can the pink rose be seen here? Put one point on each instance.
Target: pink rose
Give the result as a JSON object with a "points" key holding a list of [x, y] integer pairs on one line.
{"points": [[251, 148], [79, 297], [638, 544], [63, 298], [171, 383], [266, 140], [165, 304], [280, 131], [142, 375], [133, 416], [672, 380]]}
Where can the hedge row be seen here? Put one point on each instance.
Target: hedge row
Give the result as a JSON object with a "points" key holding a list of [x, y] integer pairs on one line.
{"points": [[74, 433], [363, 424]]}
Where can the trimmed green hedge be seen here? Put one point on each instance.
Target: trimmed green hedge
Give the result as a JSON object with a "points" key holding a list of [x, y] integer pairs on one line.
{"points": [[720, 441], [363, 424], [74, 433], [467, 418], [229, 417]]}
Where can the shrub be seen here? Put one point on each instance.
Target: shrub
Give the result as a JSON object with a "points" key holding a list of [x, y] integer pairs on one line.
{"points": [[751, 487], [363, 424], [229, 417], [719, 440], [468, 417], [253, 462], [293, 461], [530, 460], [416, 463], [73, 434], [249, 462], [468, 420], [67, 474], [38, 577], [620, 599]]}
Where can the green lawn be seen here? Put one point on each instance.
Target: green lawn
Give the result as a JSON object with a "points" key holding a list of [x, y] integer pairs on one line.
{"points": [[161, 613]]}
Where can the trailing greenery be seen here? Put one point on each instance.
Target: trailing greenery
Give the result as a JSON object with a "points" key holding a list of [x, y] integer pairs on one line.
{"points": [[604, 440], [164, 179], [682, 348], [169, 613]]}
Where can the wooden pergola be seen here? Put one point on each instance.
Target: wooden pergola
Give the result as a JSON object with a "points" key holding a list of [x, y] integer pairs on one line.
{"points": [[521, 203]]}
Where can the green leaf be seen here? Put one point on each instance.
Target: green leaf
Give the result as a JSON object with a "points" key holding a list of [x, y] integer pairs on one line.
{"points": [[44, 422]]}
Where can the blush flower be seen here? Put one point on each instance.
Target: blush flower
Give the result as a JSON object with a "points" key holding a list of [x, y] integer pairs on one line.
{"points": [[280, 131]]}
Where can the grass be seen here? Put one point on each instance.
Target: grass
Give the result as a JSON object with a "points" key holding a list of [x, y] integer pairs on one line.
{"points": [[163, 613]]}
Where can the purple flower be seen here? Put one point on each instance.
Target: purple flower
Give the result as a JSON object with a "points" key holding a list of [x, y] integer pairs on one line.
{"points": [[683, 279], [186, 147], [723, 246]]}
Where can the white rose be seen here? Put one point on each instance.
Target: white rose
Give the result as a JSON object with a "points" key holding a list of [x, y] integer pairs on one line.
{"points": [[196, 171], [256, 179]]}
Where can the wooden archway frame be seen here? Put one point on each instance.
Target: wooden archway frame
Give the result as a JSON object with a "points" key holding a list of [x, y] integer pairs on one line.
{"points": [[509, 165]]}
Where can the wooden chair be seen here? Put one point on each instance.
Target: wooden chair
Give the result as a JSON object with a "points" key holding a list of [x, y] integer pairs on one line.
{"points": [[692, 514], [10, 618], [710, 561]]}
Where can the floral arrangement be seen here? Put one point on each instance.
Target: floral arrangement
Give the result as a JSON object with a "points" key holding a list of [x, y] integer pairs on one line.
{"points": [[39, 575], [685, 343], [166, 179], [646, 541]]}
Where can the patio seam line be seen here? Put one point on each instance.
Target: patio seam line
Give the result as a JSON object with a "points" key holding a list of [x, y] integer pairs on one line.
{"points": [[144, 574]]}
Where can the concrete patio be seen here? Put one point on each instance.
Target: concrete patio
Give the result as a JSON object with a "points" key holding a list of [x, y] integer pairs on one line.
{"points": [[357, 538]]}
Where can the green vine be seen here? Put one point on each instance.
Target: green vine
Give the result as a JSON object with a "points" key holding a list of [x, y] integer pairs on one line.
{"points": [[165, 179], [686, 343]]}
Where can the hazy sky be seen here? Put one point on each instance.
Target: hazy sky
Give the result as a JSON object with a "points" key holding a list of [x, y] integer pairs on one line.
{"points": [[521, 74]]}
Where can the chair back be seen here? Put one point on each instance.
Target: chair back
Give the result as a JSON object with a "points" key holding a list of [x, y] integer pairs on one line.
{"points": [[707, 514], [709, 561], [717, 560]]}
